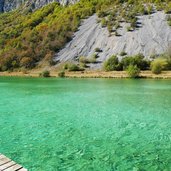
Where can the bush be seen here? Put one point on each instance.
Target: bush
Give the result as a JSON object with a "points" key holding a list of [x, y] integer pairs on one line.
{"points": [[133, 71], [169, 63], [112, 64], [136, 60], [24, 71], [156, 68], [123, 53], [110, 28], [101, 14], [98, 50], [95, 55], [27, 62], [92, 59], [82, 65], [61, 74], [74, 67], [129, 28], [167, 56], [45, 73], [169, 20], [116, 33], [83, 59], [65, 66], [158, 65], [104, 22]]}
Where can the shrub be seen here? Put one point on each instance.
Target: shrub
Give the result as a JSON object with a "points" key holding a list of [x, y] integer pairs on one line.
{"points": [[92, 59], [158, 65], [61, 74], [123, 53], [116, 33], [104, 22], [136, 60], [98, 50], [112, 64], [156, 68], [45, 73], [133, 71], [168, 8], [74, 67], [65, 66], [8, 63], [169, 20], [95, 55], [83, 59], [27, 62], [82, 65], [129, 28], [101, 14], [167, 56], [110, 28], [117, 25], [169, 63], [3, 68], [24, 71]]}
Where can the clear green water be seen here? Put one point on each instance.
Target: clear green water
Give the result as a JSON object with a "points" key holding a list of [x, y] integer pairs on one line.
{"points": [[86, 124]]}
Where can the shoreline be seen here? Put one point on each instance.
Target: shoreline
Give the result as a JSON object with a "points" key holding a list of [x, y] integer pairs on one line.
{"points": [[88, 74]]}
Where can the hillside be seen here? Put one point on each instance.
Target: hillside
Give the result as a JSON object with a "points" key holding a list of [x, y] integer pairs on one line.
{"points": [[30, 39], [153, 37], [8, 5]]}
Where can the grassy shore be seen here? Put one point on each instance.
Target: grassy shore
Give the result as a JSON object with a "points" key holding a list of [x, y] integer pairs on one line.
{"points": [[90, 74]]}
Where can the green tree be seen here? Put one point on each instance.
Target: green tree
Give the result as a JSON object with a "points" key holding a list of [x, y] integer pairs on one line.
{"points": [[112, 64]]}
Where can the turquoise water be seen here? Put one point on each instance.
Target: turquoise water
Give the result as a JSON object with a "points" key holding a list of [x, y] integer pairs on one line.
{"points": [[86, 124]]}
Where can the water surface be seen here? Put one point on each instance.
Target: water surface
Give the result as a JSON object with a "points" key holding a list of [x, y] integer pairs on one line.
{"points": [[86, 124]]}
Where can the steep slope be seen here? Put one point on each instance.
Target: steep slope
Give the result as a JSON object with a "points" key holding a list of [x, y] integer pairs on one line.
{"points": [[29, 38], [8, 5], [152, 37]]}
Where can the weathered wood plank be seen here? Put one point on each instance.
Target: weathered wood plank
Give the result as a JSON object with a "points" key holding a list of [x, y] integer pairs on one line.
{"points": [[22, 169], [13, 168], [4, 160], [7, 165], [2, 156]]}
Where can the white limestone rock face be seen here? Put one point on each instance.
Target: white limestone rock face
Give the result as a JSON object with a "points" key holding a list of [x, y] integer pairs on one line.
{"points": [[152, 37], [8, 5]]}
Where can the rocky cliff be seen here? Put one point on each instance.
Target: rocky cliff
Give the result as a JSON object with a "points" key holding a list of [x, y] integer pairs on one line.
{"points": [[152, 37], [8, 5]]}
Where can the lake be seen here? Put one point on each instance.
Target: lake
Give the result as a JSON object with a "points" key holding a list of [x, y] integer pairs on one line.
{"points": [[86, 124]]}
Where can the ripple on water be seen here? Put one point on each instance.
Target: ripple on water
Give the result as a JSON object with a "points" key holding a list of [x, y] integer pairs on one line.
{"points": [[86, 124]]}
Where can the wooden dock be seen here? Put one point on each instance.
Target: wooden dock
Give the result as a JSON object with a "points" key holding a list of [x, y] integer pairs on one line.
{"points": [[7, 164]]}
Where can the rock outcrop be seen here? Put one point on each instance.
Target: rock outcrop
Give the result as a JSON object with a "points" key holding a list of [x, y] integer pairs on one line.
{"points": [[8, 5], [152, 37]]}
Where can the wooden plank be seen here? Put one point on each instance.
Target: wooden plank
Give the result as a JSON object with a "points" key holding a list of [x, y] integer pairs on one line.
{"points": [[3, 161], [7, 165], [22, 169], [2, 156], [13, 168]]}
